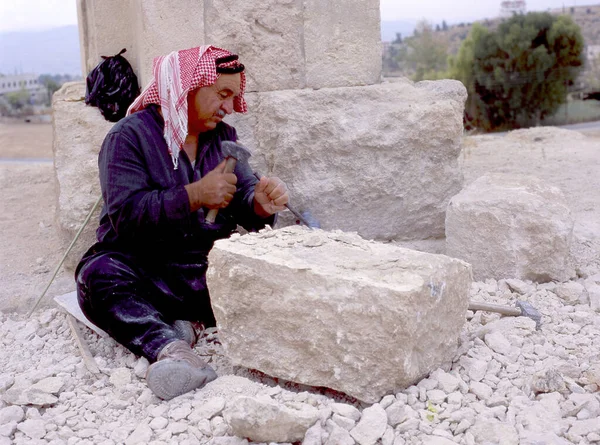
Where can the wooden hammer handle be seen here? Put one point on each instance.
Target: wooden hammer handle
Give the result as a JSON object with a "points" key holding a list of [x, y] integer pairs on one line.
{"points": [[505, 310], [229, 167]]}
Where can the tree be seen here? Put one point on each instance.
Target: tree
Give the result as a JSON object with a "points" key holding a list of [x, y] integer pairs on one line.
{"points": [[426, 52], [444, 25], [398, 38], [18, 99], [520, 73]]}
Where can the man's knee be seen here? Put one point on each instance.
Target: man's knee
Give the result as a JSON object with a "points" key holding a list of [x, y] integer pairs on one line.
{"points": [[105, 269]]}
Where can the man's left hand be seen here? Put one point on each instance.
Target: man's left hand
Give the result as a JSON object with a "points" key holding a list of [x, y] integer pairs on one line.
{"points": [[270, 196]]}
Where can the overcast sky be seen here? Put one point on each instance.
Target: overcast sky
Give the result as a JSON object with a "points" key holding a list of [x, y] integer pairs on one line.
{"points": [[42, 14]]}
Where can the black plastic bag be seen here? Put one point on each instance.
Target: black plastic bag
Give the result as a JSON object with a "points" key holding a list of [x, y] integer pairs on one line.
{"points": [[112, 86]]}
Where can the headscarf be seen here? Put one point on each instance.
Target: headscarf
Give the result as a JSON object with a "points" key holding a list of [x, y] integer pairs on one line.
{"points": [[178, 73]]}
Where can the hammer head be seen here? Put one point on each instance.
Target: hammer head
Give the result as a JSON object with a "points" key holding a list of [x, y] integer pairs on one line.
{"points": [[235, 150], [527, 310]]}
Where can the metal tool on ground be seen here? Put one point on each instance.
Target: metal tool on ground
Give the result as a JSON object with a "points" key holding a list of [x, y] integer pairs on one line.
{"points": [[233, 153], [305, 218], [521, 309]]}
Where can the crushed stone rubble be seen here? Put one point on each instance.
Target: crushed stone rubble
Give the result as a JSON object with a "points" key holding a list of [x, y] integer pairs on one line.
{"points": [[510, 383]]}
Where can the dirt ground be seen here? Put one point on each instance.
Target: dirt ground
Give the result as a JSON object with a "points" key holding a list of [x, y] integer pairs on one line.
{"points": [[30, 248]]}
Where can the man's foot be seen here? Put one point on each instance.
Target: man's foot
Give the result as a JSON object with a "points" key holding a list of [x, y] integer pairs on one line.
{"points": [[186, 331], [178, 370]]}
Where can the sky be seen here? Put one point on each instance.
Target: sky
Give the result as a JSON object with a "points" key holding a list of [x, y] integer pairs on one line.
{"points": [[17, 15]]}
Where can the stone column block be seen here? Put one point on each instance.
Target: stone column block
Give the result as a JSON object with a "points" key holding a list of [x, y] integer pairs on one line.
{"points": [[342, 43], [511, 226], [331, 309], [380, 160], [79, 131], [267, 35], [162, 27], [105, 27]]}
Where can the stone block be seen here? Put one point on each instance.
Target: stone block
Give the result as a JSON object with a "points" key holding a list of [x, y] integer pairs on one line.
{"points": [[380, 160], [105, 27], [342, 43], [268, 37], [162, 27], [511, 226], [78, 134], [331, 309]]}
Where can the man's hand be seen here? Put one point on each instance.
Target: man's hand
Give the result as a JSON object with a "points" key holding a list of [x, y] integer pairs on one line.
{"points": [[270, 196], [215, 190]]}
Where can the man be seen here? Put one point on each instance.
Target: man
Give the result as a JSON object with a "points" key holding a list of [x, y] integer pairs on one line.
{"points": [[161, 171]]}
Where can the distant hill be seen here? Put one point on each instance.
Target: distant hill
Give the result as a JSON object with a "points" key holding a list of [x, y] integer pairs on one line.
{"points": [[54, 51], [390, 28]]}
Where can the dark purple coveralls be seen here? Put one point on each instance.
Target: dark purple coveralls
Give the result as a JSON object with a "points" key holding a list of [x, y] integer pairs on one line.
{"points": [[148, 267]]}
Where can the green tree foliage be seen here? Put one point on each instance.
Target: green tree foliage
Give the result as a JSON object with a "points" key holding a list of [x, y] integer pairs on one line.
{"points": [[520, 73], [426, 53], [18, 99]]}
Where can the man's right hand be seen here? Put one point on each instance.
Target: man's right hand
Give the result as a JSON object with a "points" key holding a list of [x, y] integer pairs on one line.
{"points": [[214, 191]]}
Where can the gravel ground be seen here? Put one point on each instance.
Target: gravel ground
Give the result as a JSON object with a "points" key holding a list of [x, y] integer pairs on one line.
{"points": [[509, 384]]}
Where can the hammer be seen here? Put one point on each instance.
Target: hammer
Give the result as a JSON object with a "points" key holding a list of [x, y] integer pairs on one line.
{"points": [[233, 152], [522, 309]]}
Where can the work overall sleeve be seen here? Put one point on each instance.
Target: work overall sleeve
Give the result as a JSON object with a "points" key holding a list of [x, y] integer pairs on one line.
{"points": [[143, 194]]}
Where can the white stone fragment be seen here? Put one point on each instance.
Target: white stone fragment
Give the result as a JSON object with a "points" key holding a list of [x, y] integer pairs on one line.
{"points": [[207, 409], [6, 381], [343, 422], [339, 436], [120, 377], [158, 423], [34, 429], [371, 298], [346, 410], [313, 435], [490, 431], [396, 413], [11, 414], [263, 421], [498, 343], [594, 297], [447, 382], [570, 292], [585, 427], [371, 427], [481, 390], [141, 367], [547, 381], [141, 435]]}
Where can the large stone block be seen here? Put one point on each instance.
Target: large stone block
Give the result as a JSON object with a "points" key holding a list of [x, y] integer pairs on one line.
{"points": [[163, 27], [268, 37], [380, 160], [331, 309], [105, 27], [511, 226], [342, 43], [78, 134]]}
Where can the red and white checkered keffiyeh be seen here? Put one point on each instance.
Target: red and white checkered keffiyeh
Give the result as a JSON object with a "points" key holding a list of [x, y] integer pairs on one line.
{"points": [[175, 75]]}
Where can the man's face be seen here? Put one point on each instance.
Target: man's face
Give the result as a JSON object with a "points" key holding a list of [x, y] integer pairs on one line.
{"points": [[207, 106]]}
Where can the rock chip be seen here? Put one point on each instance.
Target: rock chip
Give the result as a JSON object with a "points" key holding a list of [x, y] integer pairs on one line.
{"points": [[371, 427], [267, 421]]}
